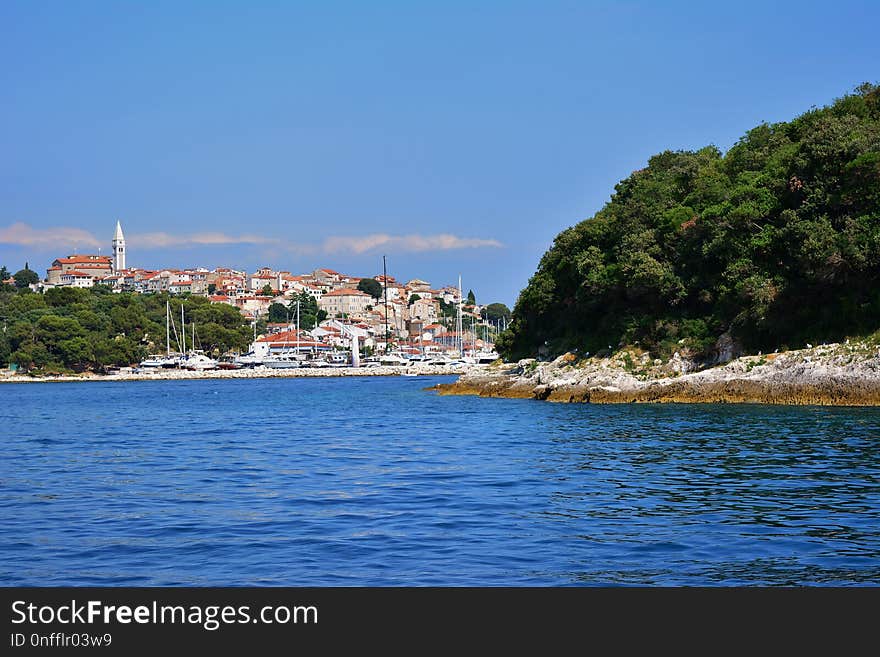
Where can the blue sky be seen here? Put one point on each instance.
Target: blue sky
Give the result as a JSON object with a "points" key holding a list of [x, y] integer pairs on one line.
{"points": [[455, 137]]}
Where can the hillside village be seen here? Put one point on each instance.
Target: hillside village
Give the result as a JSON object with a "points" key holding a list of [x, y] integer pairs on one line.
{"points": [[416, 316]]}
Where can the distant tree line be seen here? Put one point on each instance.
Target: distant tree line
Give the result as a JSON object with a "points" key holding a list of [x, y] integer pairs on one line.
{"points": [[88, 329]]}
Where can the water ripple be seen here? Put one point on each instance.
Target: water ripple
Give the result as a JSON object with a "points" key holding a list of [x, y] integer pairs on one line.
{"points": [[376, 482]]}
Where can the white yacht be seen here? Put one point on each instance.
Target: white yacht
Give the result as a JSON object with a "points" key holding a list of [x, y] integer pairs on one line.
{"points": [[198, 361], [486, 357], [250, 359], [284, 361], [158, 360], [393, 359]]}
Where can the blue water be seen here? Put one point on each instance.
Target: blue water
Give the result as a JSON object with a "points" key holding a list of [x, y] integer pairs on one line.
{"points": [[373, 481]]}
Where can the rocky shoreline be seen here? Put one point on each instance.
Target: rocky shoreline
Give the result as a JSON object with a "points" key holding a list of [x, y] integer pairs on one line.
{"points": [[829, 375], [249, 373]]}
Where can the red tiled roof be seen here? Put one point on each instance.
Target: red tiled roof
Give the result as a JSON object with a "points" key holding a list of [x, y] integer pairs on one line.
{"points": [[346, 292], [285, 336], [76, 259], [89, 265]]}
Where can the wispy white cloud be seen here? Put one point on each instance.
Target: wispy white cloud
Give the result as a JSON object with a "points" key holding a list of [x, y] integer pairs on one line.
{"points": [[411, 243], [20, 234], [167, 240]]}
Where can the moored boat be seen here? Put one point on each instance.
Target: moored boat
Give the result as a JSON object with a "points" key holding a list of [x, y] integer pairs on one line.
{"points": [[198, 362], [158, 360]]}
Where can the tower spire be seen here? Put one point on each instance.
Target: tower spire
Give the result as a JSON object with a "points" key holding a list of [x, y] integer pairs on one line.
{"points": [[118, 249]]}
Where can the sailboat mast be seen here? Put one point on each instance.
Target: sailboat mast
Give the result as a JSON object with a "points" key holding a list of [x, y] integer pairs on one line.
{"points": [[385, 283], [460, 322], [167, 328], [297, 327], [182, 329]]}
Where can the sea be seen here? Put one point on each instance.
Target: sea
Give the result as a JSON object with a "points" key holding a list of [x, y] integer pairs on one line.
{"points": [[378, 481]]}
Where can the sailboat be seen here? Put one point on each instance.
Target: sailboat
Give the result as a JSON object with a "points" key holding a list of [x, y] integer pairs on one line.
{"points": [[194, 359], [289, 358], [250, 359], [462, 357], [166, 360]]}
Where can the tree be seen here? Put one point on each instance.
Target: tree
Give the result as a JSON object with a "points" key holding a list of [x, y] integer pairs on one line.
{"points": [[471, 299], [495, 311], [25, 277], [30, 355], [371, 286], [267, 291], [4, 276], [5, 348], [75, 352], [449, 310], [412, 299], [309, 313], [107, 351], [65, 296], [52, 329], [278, 313], [212, 288]]}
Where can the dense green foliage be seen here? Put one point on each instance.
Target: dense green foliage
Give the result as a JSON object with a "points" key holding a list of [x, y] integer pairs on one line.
{"points": [[495, 311], [309, 313], [370, 286], [79, 329], [25, 277], [776, 242], [278, 313], [448, 310]]}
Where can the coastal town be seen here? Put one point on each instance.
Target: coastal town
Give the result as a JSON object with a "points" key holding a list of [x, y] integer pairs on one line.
{"points": [[347, 320]]}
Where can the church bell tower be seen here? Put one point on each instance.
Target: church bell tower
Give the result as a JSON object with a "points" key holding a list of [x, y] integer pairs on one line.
{"points": [[118, 249]]}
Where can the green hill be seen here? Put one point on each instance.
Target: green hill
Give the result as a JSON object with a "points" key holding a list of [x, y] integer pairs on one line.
{"points": [[776, 242]]}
